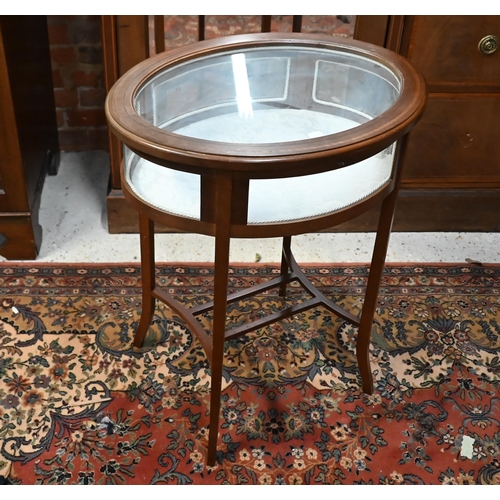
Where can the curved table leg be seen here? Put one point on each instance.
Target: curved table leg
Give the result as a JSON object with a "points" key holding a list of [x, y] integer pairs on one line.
{"points": [[146, 228], [372, 290], [384, 228]]}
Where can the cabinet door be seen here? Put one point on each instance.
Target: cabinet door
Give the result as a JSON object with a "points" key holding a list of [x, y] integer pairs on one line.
{"points": [[446, 50], [451, 174], [456, 144]]}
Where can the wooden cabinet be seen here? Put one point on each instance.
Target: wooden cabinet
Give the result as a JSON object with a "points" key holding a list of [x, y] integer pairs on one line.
{"points": [[446, 50], [452, 169], [125, 40], [452, 166], [456, 145], [29, 145]]}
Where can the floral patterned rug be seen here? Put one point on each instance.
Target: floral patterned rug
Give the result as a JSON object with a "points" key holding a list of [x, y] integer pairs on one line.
{"points": [[78, 405]]}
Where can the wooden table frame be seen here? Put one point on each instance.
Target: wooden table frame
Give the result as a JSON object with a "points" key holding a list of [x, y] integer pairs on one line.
{"points": [[224, 196]]}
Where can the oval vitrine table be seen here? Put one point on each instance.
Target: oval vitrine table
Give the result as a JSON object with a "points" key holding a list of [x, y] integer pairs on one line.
{"points": [[256, 136]]}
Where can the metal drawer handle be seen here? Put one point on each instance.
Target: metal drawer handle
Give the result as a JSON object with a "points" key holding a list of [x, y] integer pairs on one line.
{"points": [[488, 45]]}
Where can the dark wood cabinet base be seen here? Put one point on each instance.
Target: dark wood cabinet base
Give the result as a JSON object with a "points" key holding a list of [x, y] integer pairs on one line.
{"points": [[21, 237]]}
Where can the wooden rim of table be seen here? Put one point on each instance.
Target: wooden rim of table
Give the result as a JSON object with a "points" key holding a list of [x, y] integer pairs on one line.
{"points": [[323, 153]]}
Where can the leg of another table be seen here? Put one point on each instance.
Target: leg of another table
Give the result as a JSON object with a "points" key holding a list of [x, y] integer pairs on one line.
{"points": [[146, 228]]}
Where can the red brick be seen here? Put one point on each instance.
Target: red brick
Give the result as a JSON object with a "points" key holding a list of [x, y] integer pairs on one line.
{"points": [[62, 56], [86, 117], [78, 78], [73, 140], [91, 97], [61, 118], [83, 139], [58, 34], [98, 138], [66, 98], [57, 79], [86, 79], [58, 19], [85, 29], [89, 54]]}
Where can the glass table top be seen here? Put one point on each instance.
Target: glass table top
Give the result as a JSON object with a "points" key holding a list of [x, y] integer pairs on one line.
{"points": [[261, 95]]}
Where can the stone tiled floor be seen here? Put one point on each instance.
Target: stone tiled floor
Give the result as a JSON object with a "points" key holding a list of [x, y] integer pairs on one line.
{"points": [[73, 217]]}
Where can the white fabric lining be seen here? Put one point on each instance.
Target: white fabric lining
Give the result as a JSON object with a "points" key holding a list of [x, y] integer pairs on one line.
{"points": [[267, 126], [270, 200]]}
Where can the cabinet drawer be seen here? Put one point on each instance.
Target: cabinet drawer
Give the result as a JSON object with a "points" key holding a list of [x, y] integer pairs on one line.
{"points": [[445, 49], [456, 143]]}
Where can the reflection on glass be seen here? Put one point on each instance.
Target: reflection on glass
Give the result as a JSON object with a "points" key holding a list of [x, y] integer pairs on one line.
{"points": [[240, 75]]}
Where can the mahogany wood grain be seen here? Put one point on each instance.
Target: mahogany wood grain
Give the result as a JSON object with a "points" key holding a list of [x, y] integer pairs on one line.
{"points": [[224, 202], [201, 28], [266, 24], [132, 35], [429, 209], [456, 143], [372, 29], [14, 196], [159, 33], [375, 275], [445, 50], [395, 29], [111, 74], [472, 210], [451, 179], [147, 278], [125, 42]]}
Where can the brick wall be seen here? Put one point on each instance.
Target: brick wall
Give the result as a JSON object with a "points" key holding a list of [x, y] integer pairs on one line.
{"points": [[76, 53]]}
